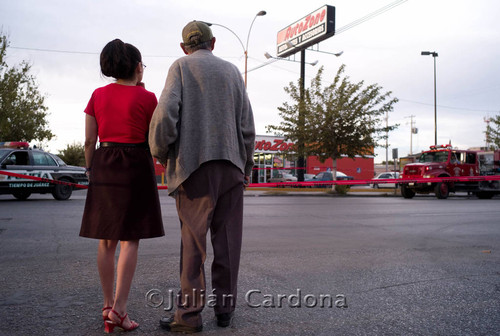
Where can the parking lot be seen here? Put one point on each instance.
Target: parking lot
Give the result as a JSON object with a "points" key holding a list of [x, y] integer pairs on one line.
{"points": [[387, 265]]}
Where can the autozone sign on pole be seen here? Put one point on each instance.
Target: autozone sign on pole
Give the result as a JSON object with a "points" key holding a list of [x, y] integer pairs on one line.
{"points": [[311, 29]]}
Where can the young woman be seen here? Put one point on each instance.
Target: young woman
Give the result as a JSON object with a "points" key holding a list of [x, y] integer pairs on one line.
{"points": [[122, 202]]}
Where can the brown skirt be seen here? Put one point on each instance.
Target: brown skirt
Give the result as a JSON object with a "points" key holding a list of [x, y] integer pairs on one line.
{"points": [[122, 199]]}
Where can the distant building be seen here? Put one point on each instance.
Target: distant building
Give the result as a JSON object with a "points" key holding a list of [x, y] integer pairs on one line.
{"points": [[269, 157]]}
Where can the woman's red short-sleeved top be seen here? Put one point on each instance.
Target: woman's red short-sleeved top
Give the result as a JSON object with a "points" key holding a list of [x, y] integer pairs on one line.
{"points": [[122, 112]]}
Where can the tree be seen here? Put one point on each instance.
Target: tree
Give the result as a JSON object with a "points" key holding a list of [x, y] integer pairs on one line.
{"points": [[493, 132], [73, 155], [22, 110], [342, 118]]}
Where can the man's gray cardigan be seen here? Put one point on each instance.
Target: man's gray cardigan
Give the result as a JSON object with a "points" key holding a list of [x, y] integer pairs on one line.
{"points": [[203, 114]]}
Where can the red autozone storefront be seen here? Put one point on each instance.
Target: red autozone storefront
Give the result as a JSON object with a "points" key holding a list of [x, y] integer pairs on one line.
{"points": [[269, 160]]}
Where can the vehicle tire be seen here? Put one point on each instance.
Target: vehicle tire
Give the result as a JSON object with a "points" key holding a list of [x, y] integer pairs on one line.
{"points": [[62, 192], [375, 186], [21, 195], [407, 192], [442, 190], [485, 195]]}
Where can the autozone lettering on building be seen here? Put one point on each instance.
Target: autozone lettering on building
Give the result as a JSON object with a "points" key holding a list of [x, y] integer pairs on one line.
{"points": [[273, 145], [313, 28]]}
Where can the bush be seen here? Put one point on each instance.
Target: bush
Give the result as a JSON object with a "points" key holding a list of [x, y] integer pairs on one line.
{"points": [[339, 189], [342, 189], [73, 155]]}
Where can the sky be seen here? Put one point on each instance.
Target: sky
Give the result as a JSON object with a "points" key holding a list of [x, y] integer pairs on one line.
{"points": [[62, 40]]}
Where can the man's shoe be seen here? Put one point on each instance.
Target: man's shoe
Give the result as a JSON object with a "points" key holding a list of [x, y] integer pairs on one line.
{"points": [[169, 324], [224, 319]]}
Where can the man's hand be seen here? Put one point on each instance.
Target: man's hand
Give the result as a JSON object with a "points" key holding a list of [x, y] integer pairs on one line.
{"points": [[246, 181]]}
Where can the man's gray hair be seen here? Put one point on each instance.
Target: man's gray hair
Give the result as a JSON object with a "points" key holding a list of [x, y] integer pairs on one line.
{"points": [[202, 45]]}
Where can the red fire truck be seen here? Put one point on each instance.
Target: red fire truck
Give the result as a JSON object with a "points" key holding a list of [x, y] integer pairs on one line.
{"points": [[444, 161]]}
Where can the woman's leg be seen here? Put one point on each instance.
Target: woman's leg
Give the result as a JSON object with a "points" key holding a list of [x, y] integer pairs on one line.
{"points": [[106, 267], [124, 275]]}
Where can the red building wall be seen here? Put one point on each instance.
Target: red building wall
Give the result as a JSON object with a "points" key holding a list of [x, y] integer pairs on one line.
{"points": [[360, 168], [159, 171]]}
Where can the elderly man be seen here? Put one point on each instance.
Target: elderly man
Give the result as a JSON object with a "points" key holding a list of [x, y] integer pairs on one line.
{"points": [[203, 131]]}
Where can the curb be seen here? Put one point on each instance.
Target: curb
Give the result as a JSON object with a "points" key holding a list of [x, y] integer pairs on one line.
{"points": [[320, 192]]}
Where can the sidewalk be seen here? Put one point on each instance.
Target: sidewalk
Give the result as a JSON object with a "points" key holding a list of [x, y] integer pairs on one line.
{"points": [[324, 192]]}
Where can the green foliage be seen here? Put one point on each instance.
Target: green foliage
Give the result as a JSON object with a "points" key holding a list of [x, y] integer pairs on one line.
{"points": [[73, 155], [342, 118], [342, 189], [22, 110], [339, 189], [493, 132]]}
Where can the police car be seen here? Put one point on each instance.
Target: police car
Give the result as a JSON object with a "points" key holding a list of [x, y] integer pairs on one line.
{"points": [[18, 158]]}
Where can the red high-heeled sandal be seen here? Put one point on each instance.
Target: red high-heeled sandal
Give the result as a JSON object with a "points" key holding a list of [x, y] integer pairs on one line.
{"points": [[109, 325], [105, 317]]}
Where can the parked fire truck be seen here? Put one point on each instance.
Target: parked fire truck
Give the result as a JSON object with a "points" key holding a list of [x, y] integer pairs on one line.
{"points": [[444, 161]]}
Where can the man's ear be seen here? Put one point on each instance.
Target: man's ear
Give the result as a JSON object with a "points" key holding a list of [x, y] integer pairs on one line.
{"points": [[184, 49], [212, 43]]}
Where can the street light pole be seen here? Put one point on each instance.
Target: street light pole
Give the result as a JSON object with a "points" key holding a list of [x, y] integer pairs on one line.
{"points": [[434, 55], [245, 49], [261, 13]]}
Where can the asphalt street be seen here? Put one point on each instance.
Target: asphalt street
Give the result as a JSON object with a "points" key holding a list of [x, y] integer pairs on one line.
{"points": [[313, 264]]}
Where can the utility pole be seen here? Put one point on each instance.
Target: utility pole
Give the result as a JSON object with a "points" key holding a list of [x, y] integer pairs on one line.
{"points": [[487, 133], [434, 55], [387, 141], [413, 130]]}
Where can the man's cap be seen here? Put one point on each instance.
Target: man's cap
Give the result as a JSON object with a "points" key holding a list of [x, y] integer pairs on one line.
{"points": [[196, 32]]}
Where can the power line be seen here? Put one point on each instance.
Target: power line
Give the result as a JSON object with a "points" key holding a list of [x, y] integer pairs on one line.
{"points": [[80, 52], [57, 51], [450, 107], [354, 23], [263, 64], [369, 16], [338, 31]]}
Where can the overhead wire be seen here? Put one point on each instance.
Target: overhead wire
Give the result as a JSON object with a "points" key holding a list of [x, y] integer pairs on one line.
{"points": [[364, 19], [338, 31], [352, 24], [448, 107], [79, 52], [369, 16], [56, 51], [342, 29]]}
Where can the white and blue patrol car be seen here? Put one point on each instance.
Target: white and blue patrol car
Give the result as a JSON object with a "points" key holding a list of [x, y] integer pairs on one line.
{"points": [[18, 158]]}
